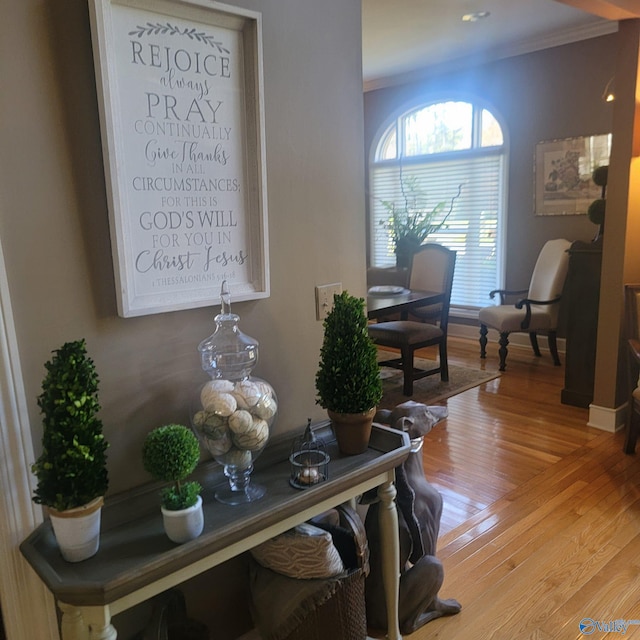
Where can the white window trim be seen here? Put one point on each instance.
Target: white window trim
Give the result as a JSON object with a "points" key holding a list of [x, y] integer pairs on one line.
{"points": [[395, 119]]}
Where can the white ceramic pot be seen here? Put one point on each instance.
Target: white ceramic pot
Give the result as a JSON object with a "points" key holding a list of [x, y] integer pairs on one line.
{"points": [[185, 524], [77, 530]]}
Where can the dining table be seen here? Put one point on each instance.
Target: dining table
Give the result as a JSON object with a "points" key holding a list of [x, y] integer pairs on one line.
{"points": [[385, 301]]}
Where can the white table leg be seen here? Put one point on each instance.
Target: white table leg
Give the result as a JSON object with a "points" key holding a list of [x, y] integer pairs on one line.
{"points": [[72, 625], [390, 556], [99, 621]]}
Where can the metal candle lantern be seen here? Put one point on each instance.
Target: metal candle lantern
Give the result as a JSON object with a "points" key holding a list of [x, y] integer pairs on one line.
{"points": [[309, 460]]}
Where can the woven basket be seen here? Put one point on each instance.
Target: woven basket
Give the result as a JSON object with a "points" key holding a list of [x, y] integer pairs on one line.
{"points": [[341, 616]]}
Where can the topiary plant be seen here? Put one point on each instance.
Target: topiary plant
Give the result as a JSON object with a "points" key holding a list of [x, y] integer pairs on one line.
{"points": [[71, 469], [170, 453], [348, 377], [598, 208]]}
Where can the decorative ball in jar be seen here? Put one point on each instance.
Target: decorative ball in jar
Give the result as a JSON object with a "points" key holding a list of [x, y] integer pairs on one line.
{"points": [[233, 411]]}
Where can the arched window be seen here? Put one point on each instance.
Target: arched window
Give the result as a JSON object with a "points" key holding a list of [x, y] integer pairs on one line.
{"points": [[443, 159]]}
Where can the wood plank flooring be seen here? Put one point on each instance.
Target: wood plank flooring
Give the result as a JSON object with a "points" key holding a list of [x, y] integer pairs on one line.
{"points": [[541, 520]]}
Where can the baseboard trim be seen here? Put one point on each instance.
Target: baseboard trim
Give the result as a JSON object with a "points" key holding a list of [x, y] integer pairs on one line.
{"points": [[516, 339], [605, 419]]}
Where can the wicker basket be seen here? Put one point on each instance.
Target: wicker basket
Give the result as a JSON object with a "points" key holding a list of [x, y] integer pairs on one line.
{"points": [[341, 615]]}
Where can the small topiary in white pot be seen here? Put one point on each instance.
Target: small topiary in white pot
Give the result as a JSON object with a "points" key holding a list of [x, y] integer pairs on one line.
{"points": [[171, 453]]}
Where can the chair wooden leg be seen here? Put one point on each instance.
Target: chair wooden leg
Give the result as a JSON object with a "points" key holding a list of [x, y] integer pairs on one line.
{"points": [[502, 351], [483, 340], [533, 338], [553, 347], [444, 363], [407, 368], [633, 428]]}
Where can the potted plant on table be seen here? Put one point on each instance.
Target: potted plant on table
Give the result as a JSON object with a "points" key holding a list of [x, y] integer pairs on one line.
{"points": [[411, 221], [348, 378], [71, 470], [170, 453]]}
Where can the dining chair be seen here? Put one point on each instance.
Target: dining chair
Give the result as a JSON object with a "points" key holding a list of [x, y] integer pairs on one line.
{"points": [[537, 313], [632, 333], [432, 267], [429, 273]]}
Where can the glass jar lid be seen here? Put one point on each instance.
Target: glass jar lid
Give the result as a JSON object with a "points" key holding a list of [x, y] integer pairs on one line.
{"points": [[228, 352]]}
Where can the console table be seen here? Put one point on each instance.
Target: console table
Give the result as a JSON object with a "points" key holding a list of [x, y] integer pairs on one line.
{"points": [[136, 561]]}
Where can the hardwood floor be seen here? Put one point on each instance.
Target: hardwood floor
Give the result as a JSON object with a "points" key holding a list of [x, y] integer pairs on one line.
{"points": [[541, 521]]}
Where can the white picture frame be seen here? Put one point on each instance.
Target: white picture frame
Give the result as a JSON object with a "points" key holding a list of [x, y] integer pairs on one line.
{"points": [[180, 95]]}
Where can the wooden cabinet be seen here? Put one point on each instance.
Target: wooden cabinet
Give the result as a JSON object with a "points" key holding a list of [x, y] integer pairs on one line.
{"points": [[579, 322]]}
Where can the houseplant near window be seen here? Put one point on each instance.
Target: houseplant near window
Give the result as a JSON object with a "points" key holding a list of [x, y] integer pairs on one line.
{"points": [[348, 378], [71, 470], [411, 221], [170, 453]]}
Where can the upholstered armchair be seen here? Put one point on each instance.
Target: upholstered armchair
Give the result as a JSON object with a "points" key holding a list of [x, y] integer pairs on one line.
{"points": [[536, 311]]}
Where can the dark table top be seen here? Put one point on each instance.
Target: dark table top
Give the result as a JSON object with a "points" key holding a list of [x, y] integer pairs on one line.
{"points": [[379, 306], [135, 551]]}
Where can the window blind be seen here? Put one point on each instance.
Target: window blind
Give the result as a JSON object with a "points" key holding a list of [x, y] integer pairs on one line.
{"points": [[473, 227]]}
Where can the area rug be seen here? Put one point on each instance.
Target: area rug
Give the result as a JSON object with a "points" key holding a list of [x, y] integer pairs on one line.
{"points": [[431, 389]]}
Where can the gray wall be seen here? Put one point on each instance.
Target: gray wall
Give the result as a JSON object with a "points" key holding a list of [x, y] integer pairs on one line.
{"points": [[54, 221], [555, 93], [55, 234]]}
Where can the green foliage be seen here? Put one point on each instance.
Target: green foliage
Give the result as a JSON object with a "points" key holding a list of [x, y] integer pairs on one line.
{"points": [[348, 377], [596, 211], [170, 453], [175, 499], [412, 221], [600, 175], [71, 469]]}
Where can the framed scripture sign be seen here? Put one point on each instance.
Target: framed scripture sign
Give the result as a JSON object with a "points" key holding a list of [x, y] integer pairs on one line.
{"points": [[182, 119], [563, 168]]}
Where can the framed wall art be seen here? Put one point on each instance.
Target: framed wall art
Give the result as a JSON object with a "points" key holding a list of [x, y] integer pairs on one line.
{"points": [[180, 93], [563, 168]]}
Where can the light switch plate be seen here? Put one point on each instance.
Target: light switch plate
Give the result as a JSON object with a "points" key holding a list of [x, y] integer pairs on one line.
{"points": [[324, 298]]}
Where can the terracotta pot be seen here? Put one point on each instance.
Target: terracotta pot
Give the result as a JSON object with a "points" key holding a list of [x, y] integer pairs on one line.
{"points": [[77, 530], [352, 430]]}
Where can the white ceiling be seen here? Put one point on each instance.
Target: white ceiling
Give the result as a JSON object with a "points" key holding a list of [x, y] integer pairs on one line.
{"points": [[400, 38]]}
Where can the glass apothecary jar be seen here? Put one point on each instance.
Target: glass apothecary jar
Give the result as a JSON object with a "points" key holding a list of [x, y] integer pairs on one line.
{"points": [[233, 411]]}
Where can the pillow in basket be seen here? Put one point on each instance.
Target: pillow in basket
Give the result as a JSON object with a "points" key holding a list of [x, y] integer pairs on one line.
{"points": [[305, 551]]}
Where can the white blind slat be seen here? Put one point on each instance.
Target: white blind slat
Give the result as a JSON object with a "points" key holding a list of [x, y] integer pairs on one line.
{"points": [[472, 229]]}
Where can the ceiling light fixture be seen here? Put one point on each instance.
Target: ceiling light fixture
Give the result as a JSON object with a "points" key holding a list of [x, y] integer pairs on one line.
{"points": [[475, 16]]}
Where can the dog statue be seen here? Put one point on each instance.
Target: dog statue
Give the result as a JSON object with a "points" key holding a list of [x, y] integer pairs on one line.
{"points": [[419, 508]]}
